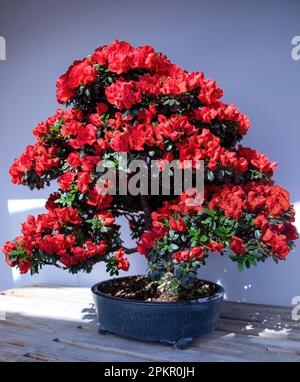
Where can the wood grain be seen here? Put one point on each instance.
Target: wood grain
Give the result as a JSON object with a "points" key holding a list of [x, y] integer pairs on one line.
{"points": [[52, 323]]}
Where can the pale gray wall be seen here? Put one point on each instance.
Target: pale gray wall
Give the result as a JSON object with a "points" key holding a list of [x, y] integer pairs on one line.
{"points": [[244, 45]]}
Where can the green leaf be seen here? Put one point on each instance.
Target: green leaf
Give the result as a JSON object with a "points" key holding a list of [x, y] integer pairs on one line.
{"points": [[252, 261], [108, 164], [207, 221], [57, 126], [203, 238], [210, 176], [173, 247], [240, 266], [257, 234]]}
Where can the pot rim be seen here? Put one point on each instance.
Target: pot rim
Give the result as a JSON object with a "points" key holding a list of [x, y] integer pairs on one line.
{"points": [[219, 294]]}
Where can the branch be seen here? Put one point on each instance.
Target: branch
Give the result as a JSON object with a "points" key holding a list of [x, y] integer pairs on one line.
{"points": [[147, 211], [130, 250], [124, 211], [56, 265]]}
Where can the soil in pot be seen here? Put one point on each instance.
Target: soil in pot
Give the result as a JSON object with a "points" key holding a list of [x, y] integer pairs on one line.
{"points": [[143, 289]]}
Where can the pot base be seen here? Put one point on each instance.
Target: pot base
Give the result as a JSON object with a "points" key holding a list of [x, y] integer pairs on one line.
{"points": [[181, 343]]}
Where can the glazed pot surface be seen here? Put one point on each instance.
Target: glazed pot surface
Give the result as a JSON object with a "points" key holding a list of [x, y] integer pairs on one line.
{"points": [[176, 323]]}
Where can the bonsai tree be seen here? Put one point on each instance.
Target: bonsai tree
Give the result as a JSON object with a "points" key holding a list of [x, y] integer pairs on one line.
{"points": [[130, 100]]}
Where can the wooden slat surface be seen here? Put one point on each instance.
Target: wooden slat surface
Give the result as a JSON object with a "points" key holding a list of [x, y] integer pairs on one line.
{"points": [[55, 323]]}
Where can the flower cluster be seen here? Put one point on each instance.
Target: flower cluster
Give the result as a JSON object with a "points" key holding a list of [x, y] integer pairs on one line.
{"points": [[36, 162], [254, 220], [57, 238], [134, 100]]}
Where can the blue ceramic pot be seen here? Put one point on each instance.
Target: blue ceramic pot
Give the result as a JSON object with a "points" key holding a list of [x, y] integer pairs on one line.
{"points": [[175, 323]]}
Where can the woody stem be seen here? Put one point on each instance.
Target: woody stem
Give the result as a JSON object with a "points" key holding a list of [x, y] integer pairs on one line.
{"points": [[147, 210], [130, 250]]}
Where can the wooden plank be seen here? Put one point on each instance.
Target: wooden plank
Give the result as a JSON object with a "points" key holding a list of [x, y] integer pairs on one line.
{"points": [[47, 350], [259, 313], [141, 347], [146, 350], [112, 346], [258, 329], [255, 348], [54, 323]]}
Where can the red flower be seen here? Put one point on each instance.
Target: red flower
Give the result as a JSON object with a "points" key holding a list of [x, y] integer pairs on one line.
{"points": [[50, 204], [99, 57], [123, 94], [41, 129], [222, 112], [261, 221], [86, 136], [123, 264], [237, 245], [55, 244], [268, 236], [71, 128], [198, 253], [74, 160], [280, 247], [94, 250], [290, 231], [120, 57], [89, 163], [277, 201], [258, 160], [83, 181], [80, 73], [209, 92], [7, 249], [68, 215], [65, 180], [79, 256], [101, 108], [37, 158], [63, 91], [185, 255], [147, 242], [24, 266], [107, 218], [120, 253], [277, 242], [255, 200], [101, 248], [242, 165], [215, 246], [95, 199], [120, 141], [230, 199], [176, 256], [177, 224]]}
